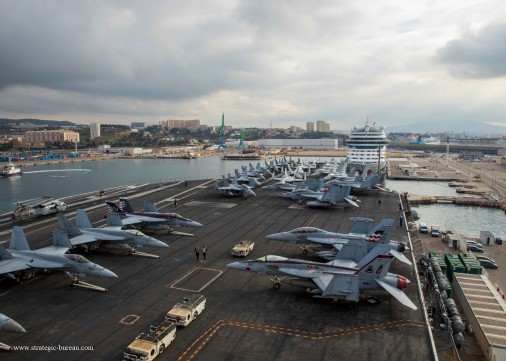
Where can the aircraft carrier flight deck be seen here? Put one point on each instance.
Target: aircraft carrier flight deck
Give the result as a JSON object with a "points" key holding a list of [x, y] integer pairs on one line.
{"points": [[245, 317]]}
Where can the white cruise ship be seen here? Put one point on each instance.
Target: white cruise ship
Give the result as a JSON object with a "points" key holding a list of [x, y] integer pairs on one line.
{"points": [[365, 145]]}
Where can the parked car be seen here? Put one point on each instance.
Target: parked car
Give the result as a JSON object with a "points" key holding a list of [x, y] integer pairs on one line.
{"points": [[474, 243], [488, 264], [498, 240], [481, 257], [423, 228], [473, 248], [434, 230]]}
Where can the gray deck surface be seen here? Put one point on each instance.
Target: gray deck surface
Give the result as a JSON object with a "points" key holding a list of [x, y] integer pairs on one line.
{"points": [[245, 317]]}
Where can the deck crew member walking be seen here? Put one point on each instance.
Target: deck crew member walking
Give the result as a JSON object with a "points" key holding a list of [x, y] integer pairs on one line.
{"points": [[197, 251], [204, 252]]}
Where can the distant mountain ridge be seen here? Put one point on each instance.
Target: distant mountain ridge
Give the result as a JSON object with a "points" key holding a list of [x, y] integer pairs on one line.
{"points": [[59, 123]]}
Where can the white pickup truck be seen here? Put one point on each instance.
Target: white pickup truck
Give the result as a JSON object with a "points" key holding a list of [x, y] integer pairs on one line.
{"points": [[147, 346], [184, 313]]}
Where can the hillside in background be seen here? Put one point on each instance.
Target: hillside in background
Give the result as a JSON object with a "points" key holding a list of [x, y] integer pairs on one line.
{"points": [[39, 122]]}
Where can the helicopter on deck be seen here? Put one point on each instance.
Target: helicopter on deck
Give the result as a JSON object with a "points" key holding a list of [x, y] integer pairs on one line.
{"points": [[38, 207]]}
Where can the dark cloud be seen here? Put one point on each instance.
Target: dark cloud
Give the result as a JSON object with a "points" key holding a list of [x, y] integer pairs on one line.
{"points": [[480, 55], [121, 49], [285, 61]]}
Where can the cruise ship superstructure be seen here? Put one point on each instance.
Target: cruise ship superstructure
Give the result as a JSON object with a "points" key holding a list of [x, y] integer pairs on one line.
{"points": [[365, 145]]}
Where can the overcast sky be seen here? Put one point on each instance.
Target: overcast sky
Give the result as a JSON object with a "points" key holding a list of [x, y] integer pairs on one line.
{"points": [[262, 63]]}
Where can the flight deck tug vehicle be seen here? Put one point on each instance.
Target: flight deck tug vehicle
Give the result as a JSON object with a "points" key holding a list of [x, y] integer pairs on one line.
{"points": [[147, 346], [184, 313], [242, 248]]}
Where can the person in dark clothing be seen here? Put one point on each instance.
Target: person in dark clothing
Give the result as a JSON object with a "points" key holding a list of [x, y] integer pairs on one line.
{"points": [[204, 252], [175, 203], [197, 251], [186, 183], [379, 203], [401, 220]]}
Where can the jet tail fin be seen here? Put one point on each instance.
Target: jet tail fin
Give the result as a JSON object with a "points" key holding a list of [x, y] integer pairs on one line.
{"points": [[361, 225], [18, 240], [336, 194], [4, 254], [352, 172], [61, 239], [377, 255], [82, 220], [114, 220], [150, 207], [125, 206], [384, 230], [112, 207], [68, 227], [376, 268]]}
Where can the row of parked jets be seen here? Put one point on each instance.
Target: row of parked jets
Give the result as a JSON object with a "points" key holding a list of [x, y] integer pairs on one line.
{"points": [[326, 186], [358, 261], [20, 262]]}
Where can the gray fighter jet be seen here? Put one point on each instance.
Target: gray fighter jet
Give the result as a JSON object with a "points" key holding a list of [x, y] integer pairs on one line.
{"points": [[362, 237], [335, 195], [150, 219], [326, 280], [235, 189], [358, 183], [362, 227], [19, 262], [9, 325], [83, 235]]}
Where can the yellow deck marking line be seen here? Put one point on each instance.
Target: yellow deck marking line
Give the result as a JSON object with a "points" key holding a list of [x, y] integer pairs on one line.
{"points": [[296, 333]]}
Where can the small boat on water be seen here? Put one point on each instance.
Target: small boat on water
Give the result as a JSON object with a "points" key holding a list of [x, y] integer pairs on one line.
{"points": [[10, 170]]}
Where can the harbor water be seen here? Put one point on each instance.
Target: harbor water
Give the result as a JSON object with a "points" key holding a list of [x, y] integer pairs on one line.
{"points": [[66, 179], [462, 219]]}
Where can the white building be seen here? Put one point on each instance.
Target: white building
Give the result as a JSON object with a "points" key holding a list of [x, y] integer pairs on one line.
{"points": [[51, 136], [322, 126], [310, 126], [94, 130], [314, 144]]}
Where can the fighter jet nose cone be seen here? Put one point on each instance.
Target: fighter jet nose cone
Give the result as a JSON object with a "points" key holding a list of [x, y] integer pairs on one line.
{"points": [[278, 237], [109, 274], [195, 224], [12, 326], [235, 265], [160, 244]]}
